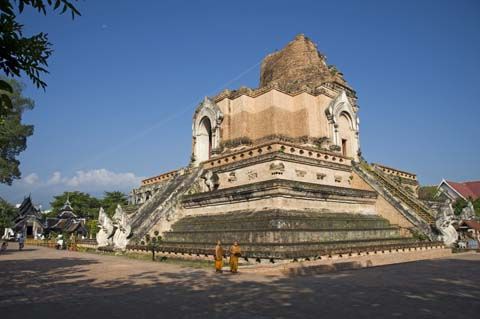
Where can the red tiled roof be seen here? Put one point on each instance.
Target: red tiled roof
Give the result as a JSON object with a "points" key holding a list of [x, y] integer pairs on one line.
{"points": [[472, 224], [467, 189]]}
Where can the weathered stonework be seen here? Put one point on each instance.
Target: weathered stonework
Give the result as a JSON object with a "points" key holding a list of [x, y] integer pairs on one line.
{"points": [[297, 65], [405, 179], [284, 234], [276, 167]]}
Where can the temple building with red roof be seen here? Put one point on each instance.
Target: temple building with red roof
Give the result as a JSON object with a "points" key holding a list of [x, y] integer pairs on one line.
{"points": [[463, 190]]}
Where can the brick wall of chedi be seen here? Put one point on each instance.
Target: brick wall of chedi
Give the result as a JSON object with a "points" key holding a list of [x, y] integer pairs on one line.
{"points": [[296, 65], [283, 111]]}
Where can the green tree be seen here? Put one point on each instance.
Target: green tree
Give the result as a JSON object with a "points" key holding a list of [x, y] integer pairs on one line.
{"points": [[21, 54], [427, 193], [83, 204], [476, 206], [153, 242], [26, 54], [111, 200], [7, 214], [458, 205], [92, 227], [14, 134]]}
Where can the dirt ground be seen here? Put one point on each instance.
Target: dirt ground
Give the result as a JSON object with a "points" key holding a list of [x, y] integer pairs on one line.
{"points": [[45, 283]]}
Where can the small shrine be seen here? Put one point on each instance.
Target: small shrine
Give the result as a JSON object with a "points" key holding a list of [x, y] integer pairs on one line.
{"points": [[67, 222], [29, 220]]}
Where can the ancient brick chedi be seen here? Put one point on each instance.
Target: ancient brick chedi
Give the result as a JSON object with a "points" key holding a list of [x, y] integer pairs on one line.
{"points": [[297, 66], [279, 168]]}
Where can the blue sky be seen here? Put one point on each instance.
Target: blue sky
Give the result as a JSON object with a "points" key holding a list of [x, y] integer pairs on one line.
{"points": [[126, 76]]}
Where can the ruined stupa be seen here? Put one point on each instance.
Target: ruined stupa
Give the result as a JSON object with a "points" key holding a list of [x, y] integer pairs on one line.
{"points": [[279, 169]]}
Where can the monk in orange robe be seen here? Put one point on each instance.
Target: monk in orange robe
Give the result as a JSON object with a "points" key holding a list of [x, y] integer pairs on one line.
{"points": [[219, 252], [235, 253]]}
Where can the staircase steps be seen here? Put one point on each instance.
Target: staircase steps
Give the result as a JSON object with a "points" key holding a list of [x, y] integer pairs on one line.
{"points": [[412, 208], [403, 195], [161, 204], [282, 233]]}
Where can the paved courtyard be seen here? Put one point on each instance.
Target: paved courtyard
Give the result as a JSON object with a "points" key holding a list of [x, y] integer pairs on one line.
{"points": [[45, 283]]}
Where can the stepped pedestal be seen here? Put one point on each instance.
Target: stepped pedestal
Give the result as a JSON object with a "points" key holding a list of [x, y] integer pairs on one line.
{"points": [[284, 234]]}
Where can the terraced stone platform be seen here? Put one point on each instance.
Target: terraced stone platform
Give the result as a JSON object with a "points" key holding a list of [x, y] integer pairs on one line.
{"points": [[284, 234]]}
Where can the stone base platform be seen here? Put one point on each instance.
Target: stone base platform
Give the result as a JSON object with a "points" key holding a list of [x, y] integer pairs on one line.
{"points": [[284, 234]]}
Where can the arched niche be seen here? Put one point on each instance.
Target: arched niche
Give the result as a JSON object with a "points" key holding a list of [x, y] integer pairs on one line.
{"points": [[346, 134], [205, 130], [344, 125], [203, 146]]}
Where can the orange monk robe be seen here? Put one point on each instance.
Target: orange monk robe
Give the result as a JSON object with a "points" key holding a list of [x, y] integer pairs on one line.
{"points": [[219, 252], [235, 252]]}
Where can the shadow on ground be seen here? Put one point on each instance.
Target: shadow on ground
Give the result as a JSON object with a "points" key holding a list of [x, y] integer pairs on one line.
{"points": [[67, 288]]}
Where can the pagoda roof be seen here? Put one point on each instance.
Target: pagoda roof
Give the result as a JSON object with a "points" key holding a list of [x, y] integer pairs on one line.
{"points": [[27, 212], [22, 222], [28, 209], [67, 211], [66, 225]]}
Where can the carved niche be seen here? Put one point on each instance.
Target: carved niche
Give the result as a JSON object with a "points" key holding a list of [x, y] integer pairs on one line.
{"points": [[205, 130], [300, 173], [232, 177], [252, 175], [277, 168]]}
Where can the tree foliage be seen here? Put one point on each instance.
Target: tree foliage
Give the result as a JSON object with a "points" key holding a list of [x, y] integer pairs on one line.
{"points": [[476, 206], [7, 214], [27, 54], [460, 204], [86, 205], [21, 54], [92, 227], [14, 134], [153, 242], [112, 199], [427, 193], [83, 204]]}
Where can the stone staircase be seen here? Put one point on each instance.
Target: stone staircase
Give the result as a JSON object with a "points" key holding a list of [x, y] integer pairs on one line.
{"points": [[162, 203], [411, 208], [283, 234], [130, 209]]}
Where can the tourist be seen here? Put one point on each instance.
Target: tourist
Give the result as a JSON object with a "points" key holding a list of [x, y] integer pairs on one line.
{"points": [[235, 253], [21, 242], [4, 247], [219, 252], [59, 244]]}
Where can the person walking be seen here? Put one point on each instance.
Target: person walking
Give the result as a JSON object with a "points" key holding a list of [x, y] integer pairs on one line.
{"points": [[4, 247], [219, 252], [21, 242], [60, 243], [235, 253]]}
